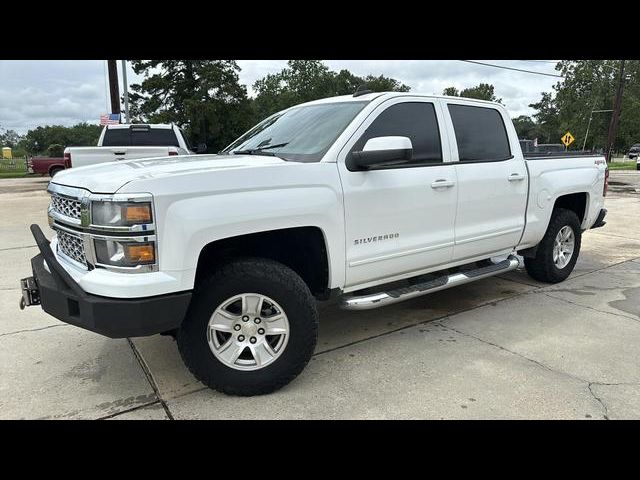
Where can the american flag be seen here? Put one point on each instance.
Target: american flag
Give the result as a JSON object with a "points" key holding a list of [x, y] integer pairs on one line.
{"points": [[110, 119]]}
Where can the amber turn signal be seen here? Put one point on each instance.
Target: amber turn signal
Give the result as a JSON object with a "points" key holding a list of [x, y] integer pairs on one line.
{"points": [[143, 253], [137, 213]]}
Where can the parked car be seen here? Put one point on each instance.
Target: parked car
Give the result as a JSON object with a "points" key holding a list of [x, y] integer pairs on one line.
{"points": [[129, 141], [370, 199], [634, 154], [46, 165]]}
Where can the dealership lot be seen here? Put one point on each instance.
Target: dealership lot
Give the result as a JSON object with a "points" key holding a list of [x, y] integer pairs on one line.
{"points": [[504, 347]]}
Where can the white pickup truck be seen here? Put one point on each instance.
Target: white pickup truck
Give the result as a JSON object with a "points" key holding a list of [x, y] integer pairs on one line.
{"points": [[130, 141], [373, 199]]}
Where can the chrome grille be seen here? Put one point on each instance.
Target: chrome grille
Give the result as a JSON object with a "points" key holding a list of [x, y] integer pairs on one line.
{"points": [[71, 246], [69, 207]]}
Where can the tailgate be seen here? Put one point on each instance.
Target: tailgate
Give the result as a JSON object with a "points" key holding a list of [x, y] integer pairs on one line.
{"points": [[130, 153]]}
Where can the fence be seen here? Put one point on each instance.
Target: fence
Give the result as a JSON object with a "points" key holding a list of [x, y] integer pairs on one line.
{"points": [[16, 165]]}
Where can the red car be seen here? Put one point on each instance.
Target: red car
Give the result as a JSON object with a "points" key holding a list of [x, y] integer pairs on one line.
{"points": [[48, 165]]}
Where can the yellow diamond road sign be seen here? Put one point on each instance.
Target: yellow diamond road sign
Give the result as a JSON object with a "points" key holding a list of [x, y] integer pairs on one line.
{"points": [[567, 139]]}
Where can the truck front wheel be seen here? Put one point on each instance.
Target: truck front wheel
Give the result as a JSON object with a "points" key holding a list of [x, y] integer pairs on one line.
{"points": [[558, 251], [251, 328]]}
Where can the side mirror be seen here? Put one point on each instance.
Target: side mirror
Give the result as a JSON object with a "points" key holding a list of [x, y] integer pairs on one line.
{"points": [[201, 148], [381, 151]]}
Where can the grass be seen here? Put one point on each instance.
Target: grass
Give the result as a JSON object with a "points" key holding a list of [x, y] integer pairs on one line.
{"points": [[630, 165], [15, 168]]}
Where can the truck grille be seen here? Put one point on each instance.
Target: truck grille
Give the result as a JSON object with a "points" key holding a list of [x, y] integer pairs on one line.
{"points": [[72, 247], [69, 207]]}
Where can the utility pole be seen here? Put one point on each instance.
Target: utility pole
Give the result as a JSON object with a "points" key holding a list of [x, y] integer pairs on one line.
{"points": [[125, 87], [613, 125], [114, 90]]}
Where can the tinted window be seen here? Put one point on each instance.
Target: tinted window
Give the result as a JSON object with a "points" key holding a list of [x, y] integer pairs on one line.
{"points": [[116, 137], [416, 120], [480, 133], [140, 137], [154, 137]]}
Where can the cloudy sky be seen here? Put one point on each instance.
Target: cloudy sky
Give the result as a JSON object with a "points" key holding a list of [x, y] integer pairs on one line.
{"points": [[34, 93]]}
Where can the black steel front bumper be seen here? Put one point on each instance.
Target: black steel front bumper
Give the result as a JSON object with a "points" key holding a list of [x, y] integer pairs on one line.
{"points": [[600, 220], [61, 296]]}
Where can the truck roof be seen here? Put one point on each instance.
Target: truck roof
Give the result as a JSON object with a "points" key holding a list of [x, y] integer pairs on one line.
{"points": [[384, 95], [150, 125]]}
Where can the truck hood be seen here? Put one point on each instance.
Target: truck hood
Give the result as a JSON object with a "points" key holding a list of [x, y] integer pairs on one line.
{"points": [[110, 177]]}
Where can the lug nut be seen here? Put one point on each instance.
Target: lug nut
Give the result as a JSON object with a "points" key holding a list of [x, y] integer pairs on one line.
{"points": [[237, 327], [257, 320], [261, 331], [252, 339], [241, 338], [245, 318]]}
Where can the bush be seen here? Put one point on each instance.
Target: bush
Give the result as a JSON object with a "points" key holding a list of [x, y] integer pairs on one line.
{"points": [[55, 150]]}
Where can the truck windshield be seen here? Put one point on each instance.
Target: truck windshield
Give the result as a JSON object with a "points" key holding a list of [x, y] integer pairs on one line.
{"points": [[302, 134]]}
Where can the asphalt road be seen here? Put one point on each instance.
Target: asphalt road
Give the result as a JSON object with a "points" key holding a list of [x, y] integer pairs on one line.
{"points": [[503, 347]]}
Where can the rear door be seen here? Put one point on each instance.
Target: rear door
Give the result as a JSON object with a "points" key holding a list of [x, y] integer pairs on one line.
{"points": [[492, 179], [399, 219]]}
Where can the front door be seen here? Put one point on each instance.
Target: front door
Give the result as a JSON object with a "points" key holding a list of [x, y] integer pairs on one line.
{"points": [[399, 219]]}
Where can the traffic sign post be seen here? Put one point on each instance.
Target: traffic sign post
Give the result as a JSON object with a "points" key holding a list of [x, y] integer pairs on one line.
{"points": [[567, 139]]}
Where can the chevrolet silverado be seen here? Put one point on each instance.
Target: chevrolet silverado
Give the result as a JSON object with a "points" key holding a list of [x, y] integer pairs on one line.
{"points": [[369, 199]]}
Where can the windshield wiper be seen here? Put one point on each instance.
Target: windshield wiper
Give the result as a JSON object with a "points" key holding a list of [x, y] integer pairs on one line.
{"points": [[253, 151]]}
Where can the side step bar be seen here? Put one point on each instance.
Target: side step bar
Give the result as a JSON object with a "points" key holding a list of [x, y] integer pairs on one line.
{"points": [[381, 299]]}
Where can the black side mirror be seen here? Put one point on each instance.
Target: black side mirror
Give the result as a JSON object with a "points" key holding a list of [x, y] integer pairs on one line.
{"points": [[201, 148], [380, 151]]}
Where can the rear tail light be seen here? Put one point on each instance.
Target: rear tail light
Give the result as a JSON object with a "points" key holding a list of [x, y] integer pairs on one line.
{"points": [[67, 160], [173, 152], [606, 182]]}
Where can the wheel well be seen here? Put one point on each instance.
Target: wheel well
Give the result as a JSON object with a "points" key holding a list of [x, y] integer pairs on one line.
{"points": [[302, 249], [54, 168], [577, 202]]}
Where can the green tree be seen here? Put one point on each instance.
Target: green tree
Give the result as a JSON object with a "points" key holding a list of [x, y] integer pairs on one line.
{"points": [[306, 80], [55, 150], [482, 91], [526, 127], [9, 138], [37, 141], [590, 85], [202, 96]]}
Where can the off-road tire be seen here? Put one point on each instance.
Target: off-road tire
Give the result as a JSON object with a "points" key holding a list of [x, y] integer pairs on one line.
{"points": [[541, 267], [255, 275]]}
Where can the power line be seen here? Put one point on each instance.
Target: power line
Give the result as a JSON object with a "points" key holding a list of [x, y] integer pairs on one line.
{"points": [[511, 68], [540, 61]]}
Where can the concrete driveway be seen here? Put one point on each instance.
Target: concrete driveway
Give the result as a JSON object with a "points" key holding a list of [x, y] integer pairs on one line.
{"points": [[504, 347]]}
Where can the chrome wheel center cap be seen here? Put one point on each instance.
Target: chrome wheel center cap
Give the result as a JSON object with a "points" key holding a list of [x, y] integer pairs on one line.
{"points": [[249, 329]]}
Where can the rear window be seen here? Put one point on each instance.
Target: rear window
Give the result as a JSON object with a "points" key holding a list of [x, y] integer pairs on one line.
{"points": [[140, 137], [480, 133]]}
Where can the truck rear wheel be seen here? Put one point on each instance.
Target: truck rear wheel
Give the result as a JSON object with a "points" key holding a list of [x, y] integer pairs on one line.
{"points": [[54, 171], [251, 328], [558, 251]]}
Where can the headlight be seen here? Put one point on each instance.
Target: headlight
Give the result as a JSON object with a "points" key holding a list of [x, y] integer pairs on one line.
{"points": [[120, 213], [124, 253]]}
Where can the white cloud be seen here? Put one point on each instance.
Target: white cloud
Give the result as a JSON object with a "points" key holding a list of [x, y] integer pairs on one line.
{"points": [[34, 93]]}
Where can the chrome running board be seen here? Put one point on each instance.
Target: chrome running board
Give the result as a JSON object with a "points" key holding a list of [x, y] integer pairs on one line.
{"points": [[381, 299]]}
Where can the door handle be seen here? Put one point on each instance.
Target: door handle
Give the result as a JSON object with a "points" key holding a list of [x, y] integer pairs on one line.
{"points": [[516, 177], [124, 152], [442, 183]]}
